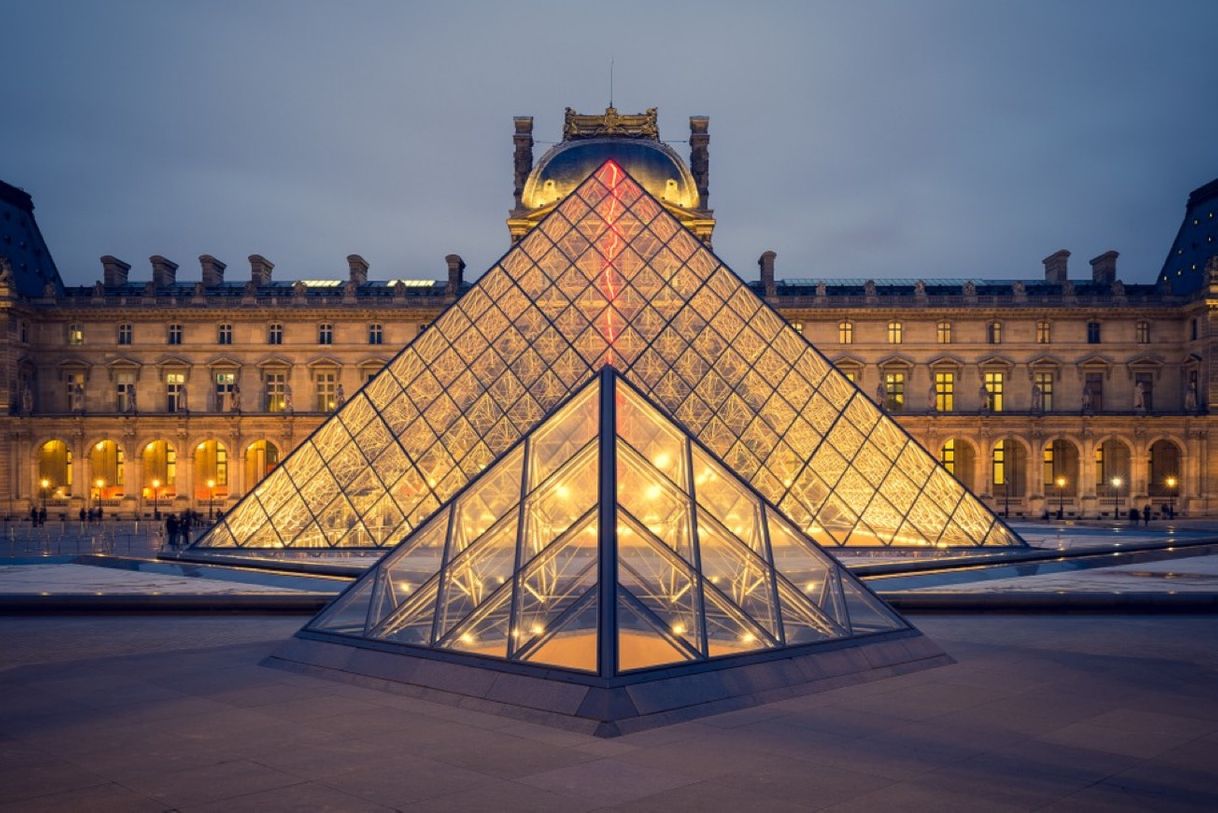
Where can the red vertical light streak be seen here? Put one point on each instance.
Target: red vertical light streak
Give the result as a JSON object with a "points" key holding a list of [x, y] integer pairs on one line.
{"points": [[610, 245]]}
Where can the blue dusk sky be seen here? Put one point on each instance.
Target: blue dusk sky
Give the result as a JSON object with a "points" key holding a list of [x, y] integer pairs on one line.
{"points": [[862, 139]]}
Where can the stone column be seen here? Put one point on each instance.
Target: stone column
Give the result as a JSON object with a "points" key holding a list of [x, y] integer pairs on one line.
{"points": [[1035, 478], [1088, 498]]}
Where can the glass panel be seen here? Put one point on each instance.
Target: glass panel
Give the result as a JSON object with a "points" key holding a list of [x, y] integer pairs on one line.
{"points": [[651, 435], [728, 501], [349, 612], [551, 586], [412, 619], [572, 643], [867, 613], [802, 621], [744, 578], [487, 500], [560, 501], [486, 630], [659, 582], [729, 631], [474, 575], [563, 434], [810, 571], [642, 641], [654, 501]]}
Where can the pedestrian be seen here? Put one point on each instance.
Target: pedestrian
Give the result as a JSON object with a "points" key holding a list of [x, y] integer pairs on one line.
{"points": [[1133, 516], [187, 521], [33, 516], [171, 530], [82, 515], [42, 516], [1146, 515]]}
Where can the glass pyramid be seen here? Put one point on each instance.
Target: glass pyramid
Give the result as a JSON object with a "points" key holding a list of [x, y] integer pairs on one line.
{"points": [[607, 542], [609, 277]]}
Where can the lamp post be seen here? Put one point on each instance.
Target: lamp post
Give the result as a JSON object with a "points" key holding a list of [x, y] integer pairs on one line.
{"points": [[1061, 497], [156, 505], [1006, 497], [1171, 482], [211, 496], [98, 484], [46, 484], [1116, 496]]}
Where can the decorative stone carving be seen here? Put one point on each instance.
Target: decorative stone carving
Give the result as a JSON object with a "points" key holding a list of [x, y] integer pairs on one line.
{"points": [[1139, 398], [970, 288]]}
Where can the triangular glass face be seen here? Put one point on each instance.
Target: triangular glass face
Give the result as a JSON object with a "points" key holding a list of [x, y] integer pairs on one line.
{"points": [[696, 565], [610, 277]]}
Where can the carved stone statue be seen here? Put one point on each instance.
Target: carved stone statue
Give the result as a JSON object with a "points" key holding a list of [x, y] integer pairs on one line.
{"points": [[1018, 288], [1139, 398], [983, 398], [881, 394], [821, 290], [932, 397], [287, 398], [340, 397], [27, 399], [920, 289], [970, 288], [1118, 289], [182, 407], [1190, 397], [234, 398], [1087, 399], [132, 406], [1038, 399], [869, 287], [299, 289]]}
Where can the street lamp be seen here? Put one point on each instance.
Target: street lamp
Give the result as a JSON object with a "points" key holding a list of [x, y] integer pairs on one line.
{"points": [[156, 506], [1172, 482], [99, 484], [1116, 496], [1061, 497], [211, 496], [45, 483]]}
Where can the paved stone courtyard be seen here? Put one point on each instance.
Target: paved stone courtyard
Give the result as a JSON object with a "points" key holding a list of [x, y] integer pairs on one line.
{"points": [[173, 713]]}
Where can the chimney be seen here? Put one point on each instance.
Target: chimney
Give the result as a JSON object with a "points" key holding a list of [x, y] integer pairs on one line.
{"points": [[766, 262], [260, 269], [522, 139], [1055, 267], [699, 157], [357, 268], [456, 266], [164, 272], [114, 271], [1103, 268], [213, 271]]}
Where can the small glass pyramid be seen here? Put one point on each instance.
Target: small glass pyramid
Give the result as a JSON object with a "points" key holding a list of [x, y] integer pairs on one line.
{"points": [[609, 277], [607, 541]]}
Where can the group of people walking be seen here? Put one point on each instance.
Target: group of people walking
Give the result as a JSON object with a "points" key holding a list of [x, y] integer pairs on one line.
{"points": [[178, 528]]}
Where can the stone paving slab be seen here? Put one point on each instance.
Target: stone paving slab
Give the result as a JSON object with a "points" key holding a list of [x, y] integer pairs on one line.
{"points": [[1038, 713], [84, 579], [1196, 574]]}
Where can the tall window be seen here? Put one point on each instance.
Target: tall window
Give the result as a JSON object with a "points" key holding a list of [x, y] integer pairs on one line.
{"points": [[124, 333], [226, 382], [945, 392], [1045, 382], [1192, 329], [1093, 333], [1143, 332], [896, 332], [175, 391], [276, 392], [1044, 333], [1049, 464], [224, 333], [325, 333], [845, 332], [1000, 463], [175, 334], [274, 333], [947, 455], [376, 333], [76, 333], [1094, 383], [124, 390], [944, 332], [894, 391], [994, 386], [993, 332], [327, 389]]}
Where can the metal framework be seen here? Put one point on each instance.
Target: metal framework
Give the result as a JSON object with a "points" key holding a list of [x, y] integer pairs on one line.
{"points": [[607, 542], [610, 278]]}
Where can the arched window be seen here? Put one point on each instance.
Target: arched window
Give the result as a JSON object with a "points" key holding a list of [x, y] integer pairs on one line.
{"points": [[160, 464], [211, 471], [55, 469], [261, 458], [106, 470]]}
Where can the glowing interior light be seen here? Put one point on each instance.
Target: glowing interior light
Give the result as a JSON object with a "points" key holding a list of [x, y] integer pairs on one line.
{"points": [[405, 587], [537, 629], [466, 638], [563, 492], [810, 587], [678, 629], [662, 460], [748, 638], [654, 491]]}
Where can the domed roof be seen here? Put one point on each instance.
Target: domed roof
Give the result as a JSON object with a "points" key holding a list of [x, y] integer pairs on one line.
{"points": [[655, 165]]}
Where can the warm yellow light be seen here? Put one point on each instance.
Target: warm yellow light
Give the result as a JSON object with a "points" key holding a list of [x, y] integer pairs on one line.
{"points": [[654, 491], [101, 444], [748, 638], [156, 483], [563, 492], [404, 587], [211, 483], [678, 629], [1061, 482], [99, 482], [466, 638], [1171, 482], [810, 587], [537, 629], [202, 446], [45, 483], [662, 460], [1116, 482]]}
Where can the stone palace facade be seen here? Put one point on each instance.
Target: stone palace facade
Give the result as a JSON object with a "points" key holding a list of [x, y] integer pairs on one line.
{"points": [[1045, 394]]}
